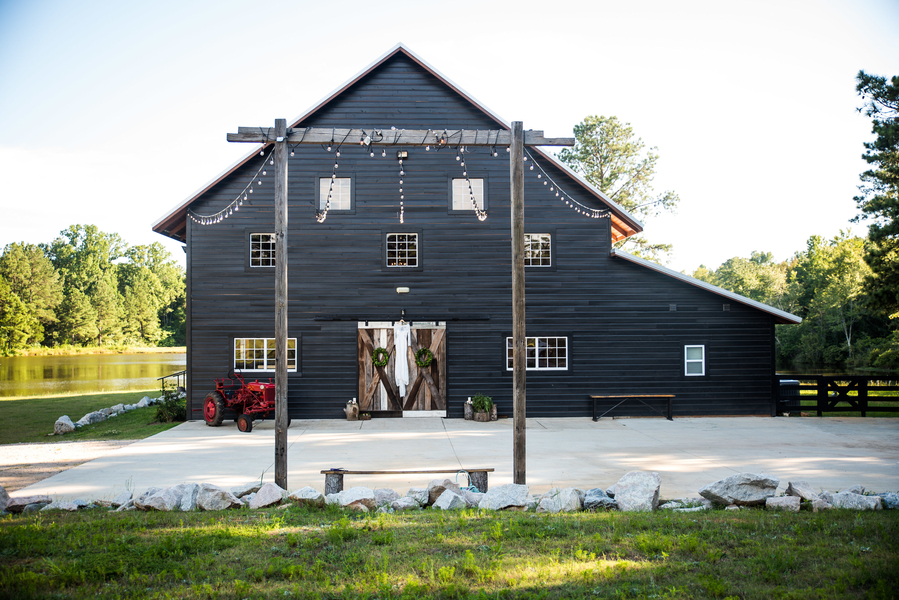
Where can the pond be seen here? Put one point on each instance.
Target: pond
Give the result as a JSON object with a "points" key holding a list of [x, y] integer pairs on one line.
{"points": [[85, 374]]}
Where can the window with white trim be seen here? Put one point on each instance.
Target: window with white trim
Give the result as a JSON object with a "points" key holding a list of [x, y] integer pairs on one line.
{"points": [[537, 250], [694, 361], [258, 354], [461, 196], [262, 249], [341, 193], [542, 353], [402, 250]]}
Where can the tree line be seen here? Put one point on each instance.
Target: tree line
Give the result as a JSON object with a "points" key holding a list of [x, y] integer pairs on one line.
{"points": [[88, 287]]}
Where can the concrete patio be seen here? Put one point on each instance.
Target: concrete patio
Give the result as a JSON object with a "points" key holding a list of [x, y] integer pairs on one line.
{"points": [[688, 453]]}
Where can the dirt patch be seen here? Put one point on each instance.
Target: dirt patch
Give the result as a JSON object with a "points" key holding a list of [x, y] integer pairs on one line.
{"points": [[24, 464]]}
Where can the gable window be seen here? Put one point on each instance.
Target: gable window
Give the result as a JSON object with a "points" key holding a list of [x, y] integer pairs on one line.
{"points": [[341, 193], [460, 197], [402, 250], [258, 354], [542, 353], [537, 250], [262, 249], [694, 361]]}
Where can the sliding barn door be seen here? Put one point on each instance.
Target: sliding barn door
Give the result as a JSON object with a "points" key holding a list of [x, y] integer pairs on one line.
{"points": [[427, 385]]}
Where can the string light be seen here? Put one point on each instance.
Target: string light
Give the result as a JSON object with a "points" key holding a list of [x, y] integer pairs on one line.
{"points": [[235, 204], [576, 206], [321, 215], [402, 196], [481, 214]]}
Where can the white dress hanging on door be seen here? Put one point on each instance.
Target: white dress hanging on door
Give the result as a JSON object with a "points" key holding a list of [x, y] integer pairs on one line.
{"points": [[402, 339]]}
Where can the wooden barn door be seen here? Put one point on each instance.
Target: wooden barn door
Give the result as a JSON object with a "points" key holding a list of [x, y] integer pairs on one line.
{"points": [[426, 392]]}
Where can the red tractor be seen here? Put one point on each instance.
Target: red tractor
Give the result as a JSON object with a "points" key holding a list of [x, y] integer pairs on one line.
{"points": [[248, 400]]}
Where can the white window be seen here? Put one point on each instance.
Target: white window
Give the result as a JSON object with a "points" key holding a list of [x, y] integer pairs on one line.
{"points": [[542, 353], [402, 249], [340, 192], [262, 249], [537, 251], [462, 195], [694, 360], [258, 354]]}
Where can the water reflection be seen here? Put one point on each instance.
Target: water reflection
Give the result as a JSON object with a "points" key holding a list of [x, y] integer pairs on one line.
{"points": [[48, 375]]}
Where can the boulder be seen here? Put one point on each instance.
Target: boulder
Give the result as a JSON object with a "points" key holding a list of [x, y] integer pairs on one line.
{"points": [[598, 498], [244, 490], [744, 489], [190, 492], [802, 489], [139, 501], [686, 505], [889, 500], [31, 508], [449, 500], [127, 506], [4, 498], [509, 496], [70, 506], [308, 496], [268, 495], [121, 499], [472, 499], [854, 501], [144, 402], [533, 502], [788, 503], [357, 498], [118, 408], [732, 507], [405, 503], [856, 489], [820, 504], [638, 491], [699, 508], [419, 494], [438, 486], [560, 500], [212, 497], [384, 496], [18, 504], [332, 499], [165, 500], [63, 425], [91, 418], [610, 491]]}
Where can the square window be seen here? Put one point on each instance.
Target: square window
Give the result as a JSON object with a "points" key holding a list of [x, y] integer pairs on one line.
{"points": [[339, 189], [694, 360], [258, 354], [462, 195], [537, 250], [402, 250], [262, 249], [541, 353]]}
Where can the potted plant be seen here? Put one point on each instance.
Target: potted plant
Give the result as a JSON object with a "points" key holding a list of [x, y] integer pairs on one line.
{"points": [[483, 408], [352, 410]]}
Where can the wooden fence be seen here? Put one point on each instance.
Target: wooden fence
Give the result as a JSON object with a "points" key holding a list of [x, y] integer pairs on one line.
{"points": [[844, 393]]}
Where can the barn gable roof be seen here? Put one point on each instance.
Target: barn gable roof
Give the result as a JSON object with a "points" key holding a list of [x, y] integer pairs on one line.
{"points": [[173, 224], [781, 317]]}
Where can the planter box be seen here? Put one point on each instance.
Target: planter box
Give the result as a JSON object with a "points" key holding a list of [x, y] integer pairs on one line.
{"points": [[482, 417]]}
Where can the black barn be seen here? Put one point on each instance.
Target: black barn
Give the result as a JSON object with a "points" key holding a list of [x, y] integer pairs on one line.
{"points": [[598, 321]]}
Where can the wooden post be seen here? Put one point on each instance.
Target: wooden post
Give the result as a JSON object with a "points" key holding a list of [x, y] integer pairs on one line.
{"points": [[280, 157], [519, 359]]}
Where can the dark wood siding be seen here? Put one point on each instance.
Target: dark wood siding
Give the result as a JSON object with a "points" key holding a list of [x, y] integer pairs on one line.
{"points": [[622, 336]]}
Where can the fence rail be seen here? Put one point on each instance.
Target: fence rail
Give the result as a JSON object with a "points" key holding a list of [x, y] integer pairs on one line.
{"points": [[844, 393], [179, 376]]}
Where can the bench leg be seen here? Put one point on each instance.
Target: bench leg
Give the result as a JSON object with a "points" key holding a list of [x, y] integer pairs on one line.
{"points": [[479, 480], [333, 483]]}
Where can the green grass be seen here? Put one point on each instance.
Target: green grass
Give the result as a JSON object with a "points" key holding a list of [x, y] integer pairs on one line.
{"points": [[300, 553], [31, 419]]}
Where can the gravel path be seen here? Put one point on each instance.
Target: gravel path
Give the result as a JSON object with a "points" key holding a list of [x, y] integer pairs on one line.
{"points": [[24, 464]]}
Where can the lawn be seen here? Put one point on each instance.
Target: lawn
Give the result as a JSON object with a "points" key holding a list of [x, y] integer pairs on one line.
{"points": [[33, 418], [327, 553]]}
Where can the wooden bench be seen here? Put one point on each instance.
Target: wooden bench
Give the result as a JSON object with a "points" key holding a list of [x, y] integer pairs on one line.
{"points": [[625, 398], [334, 477]]}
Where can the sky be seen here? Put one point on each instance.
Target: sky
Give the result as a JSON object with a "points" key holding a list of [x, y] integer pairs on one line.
{"points": [[112, 113]]}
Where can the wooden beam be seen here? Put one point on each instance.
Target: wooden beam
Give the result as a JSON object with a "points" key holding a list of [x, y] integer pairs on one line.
{"points": [[280, 158], [519, 359], [394, 137]]}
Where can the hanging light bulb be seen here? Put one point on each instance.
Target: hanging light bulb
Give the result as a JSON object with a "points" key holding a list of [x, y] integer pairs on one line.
{"points": [[291, 152], [531, 167], [338, 154], [262, 152], [271, 161], [329, 148], [383, 153], [428, 148], [263, 172]]}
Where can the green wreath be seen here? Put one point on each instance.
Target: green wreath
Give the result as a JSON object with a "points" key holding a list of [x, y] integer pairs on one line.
{"points": [[423, 358], [380, 357]]}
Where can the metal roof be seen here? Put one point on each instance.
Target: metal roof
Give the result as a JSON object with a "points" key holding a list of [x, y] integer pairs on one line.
{"points": [[173, 222], [780, 316]]}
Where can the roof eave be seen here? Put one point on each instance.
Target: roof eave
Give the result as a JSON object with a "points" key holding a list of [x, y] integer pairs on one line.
{"points": [[781, 317]]}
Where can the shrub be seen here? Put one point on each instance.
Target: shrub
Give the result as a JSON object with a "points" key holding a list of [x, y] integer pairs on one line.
{"points": [[171, 407], [481, 403]]}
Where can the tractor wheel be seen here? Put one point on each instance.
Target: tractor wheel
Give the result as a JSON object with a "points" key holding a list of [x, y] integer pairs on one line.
{"points": [[214, 409], [245, 423]]}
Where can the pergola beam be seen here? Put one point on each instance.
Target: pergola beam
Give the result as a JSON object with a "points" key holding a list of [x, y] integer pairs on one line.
{"points": [[395, 137]]}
